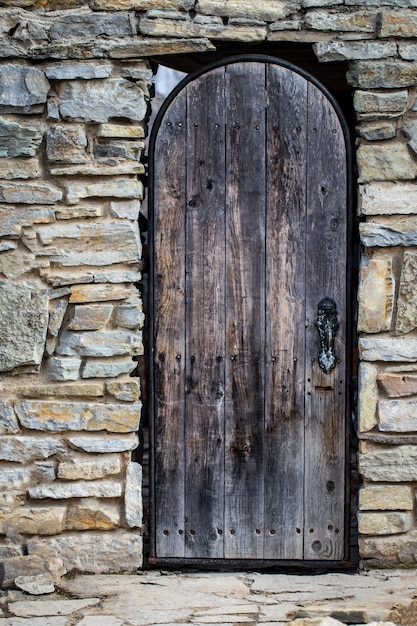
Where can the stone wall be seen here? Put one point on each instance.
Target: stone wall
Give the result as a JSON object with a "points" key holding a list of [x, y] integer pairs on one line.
{"points": [[74, 94]]}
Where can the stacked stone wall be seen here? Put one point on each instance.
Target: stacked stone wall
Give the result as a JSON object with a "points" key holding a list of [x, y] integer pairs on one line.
{"points": [[75, 87]]}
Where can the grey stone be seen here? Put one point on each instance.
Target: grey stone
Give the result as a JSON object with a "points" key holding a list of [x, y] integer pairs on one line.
{"points": [[343, 50], [355, 21], [50, 607], [63, 368], [387, 349], [12, 219], [389, 464], [136, 73], [376, 277], [103, 445], [117, 276], [66, 144], [377, 132], [57, 310], [7, 245], [407, 297], [130, 150], [22, 86], [399, 232], [133, 495], [31, 565], [80, 489], [109, 168], [388, 198], [90, 416], [101, 620], [382, 74], [258, 9], [128, 209], [386, 498], [99, 344], [125, 390], [35, 621], [25, 449], [90, 316], [91, 469], [23, 324], [72, 70], [8, 420], [385, 162], [92, 551], [14, 477], [368, 101], [35, 585], [29, 193], [90, 26], [408, 51], [410, 131], [98, 101], [107, 368], [390, 551], [397, 415], [118, 188], [129, 315], [383, 523]]}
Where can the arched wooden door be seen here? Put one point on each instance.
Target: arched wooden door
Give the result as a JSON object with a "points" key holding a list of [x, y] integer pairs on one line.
{"points": [[249, 196]]}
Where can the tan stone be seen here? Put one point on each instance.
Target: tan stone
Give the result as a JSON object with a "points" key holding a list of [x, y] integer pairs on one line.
{"points": [[386, 498], [388, 74], [143, 5], [127, 391], [398, 385], [36, 520], [398, 415], [62, 391], [356, 21], [407, 296], [269, 11], [99, 169], [375, 312], [19, 168], [389, 464], [78, 212], [368, 397], [384, 523], [391, 550], [388, 198], [398, 23], [120, 131], [131, 48], [385, 162], [376, 102], [119, 188], [91, 469], [93, 514], [100, 293], [241, 33], [90, 316]]}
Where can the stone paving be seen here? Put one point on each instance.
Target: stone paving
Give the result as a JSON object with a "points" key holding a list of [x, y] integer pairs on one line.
{"points": [[226, 599]]}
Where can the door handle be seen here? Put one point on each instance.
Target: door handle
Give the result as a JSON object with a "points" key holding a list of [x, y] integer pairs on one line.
{"points": [[327, 325]]}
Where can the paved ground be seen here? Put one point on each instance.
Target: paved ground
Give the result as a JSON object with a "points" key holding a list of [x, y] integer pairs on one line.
{"points": [[226, 599]]}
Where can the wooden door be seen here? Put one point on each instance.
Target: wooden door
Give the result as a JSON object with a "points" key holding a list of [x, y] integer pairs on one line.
{"points": [[249, 196]]}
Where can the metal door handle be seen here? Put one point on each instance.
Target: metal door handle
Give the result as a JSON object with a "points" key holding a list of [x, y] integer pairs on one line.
{"points": [[327, 325]]}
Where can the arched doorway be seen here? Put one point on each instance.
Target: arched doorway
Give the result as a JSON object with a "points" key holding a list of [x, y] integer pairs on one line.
{"points": [[249, 341]]}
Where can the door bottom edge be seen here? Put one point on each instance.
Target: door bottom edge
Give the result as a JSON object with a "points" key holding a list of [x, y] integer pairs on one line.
{"points": [[249, 564]]}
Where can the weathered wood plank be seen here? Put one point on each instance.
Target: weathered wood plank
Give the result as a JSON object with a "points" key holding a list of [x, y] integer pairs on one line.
{"points": [[205, 317], [169, 329], [245, 310], [285, 308], [326, 277]]}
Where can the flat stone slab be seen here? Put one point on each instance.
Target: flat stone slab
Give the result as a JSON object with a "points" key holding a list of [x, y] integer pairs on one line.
{"points": [[36, 608]]}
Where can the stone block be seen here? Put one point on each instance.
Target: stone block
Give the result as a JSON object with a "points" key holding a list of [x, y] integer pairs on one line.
{"points": [[397, 415], [93, 514], [23, 321], [62, 416], [133, 496], [398, 385], [348, 51], [80, 489], [78, 212], [371, 102], [376, 277], [401, 231], [91, 469], [96, 552], [398, 23], [12, 219], [94, 390], [35, 585], [129, 315], [389, 74], [99, 293], [391, 464], [71, 70], [26, 449], [66, 144], [179, 28], [107, 368], [31, 565], [33, 609], [386, 498], [129, 150], [389, 551], [14, 478], [257, 9], [407, 298], [100, 344], [387, 349], [125, 209], [143, 5], [384, 523], [120, 131], [22, 86], [63, 368], [8, 420], [57, 310], [36, 520], [388, 198], [407, 51], [112, 168], [119, 188], [19, 168], [355, 21], [88, 26], [103, 444], [29, 193], [410, 131], [377, 132], [388, 162], [367, 397], [99, 101], [90, 316], [147, 47], [126, 391]]}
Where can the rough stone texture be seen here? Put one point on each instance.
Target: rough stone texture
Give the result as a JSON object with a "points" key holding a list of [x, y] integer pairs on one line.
{"points": [[129, 315], [62, 416], [386, 551], [107, 368], [407, 297], [90, 316], [31, 565], [93, 514], [103, 445], [29, 193], [88, 26], [76, 469], [410, 131], [24, 448], [398, 415], [100, 343], [387, 349], [398, 385], [398, 23], [22, 87], [23, 324], [36, 520], [35, 585], [378, 132], [389, 463], [63, 368], [386, 498], [387, 162], [70, 71], [127, 391], [382, 74], [128, 209], [388, 198], [376, 277], [120, 131], [80, 489], [91, 551], [27, 608], [19, 168], [94, 390], [98, 293], [257, 9], [66, 144], [133, 495], [368, 397], [401, 231], [19, 139], [119, 188], [356, 21], [8, 420], [344, 50], [384, 523], [99, 101]]}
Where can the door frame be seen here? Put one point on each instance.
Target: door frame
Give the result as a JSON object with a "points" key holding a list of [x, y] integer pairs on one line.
{"points": [[234, 564]]}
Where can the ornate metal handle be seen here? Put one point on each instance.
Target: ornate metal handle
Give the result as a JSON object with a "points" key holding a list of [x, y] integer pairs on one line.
{"points": [[327, 325]]}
